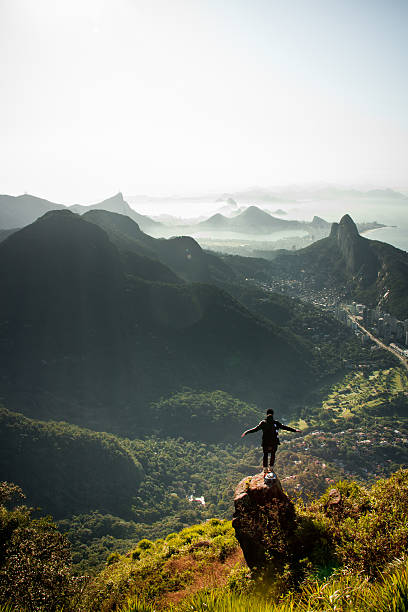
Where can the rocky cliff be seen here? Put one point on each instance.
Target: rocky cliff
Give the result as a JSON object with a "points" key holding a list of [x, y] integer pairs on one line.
{"points": [[264, 521], [355, 250]]}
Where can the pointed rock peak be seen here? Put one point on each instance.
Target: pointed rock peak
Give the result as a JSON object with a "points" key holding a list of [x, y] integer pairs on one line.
{"points": [[118, 197], [334, 230], [347, 223], [319, 221]]}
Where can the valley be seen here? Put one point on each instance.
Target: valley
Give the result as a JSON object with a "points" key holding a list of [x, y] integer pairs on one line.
{"points": [[132, 364]]}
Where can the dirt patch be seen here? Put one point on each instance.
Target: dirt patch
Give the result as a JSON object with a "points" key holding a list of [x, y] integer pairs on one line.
{"points": [[212, 575]]}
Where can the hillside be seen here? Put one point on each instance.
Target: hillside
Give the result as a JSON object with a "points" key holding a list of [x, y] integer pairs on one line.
{"points": [[345, 548], [366, 267], [344, 263], [190, 451], [182, 254], [85, 340], [347, 536], [65, 469]]}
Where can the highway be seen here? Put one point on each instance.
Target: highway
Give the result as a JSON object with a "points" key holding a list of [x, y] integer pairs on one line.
{"points": [[402, 359]]}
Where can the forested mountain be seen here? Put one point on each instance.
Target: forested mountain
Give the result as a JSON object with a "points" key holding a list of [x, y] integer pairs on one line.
{"points": [[364, 270], [65, 469], [86, 340], [369, 269], [182, 254]]}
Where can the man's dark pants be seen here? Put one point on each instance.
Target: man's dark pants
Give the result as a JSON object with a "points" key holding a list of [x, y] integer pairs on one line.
{"points": [[266, 451]]}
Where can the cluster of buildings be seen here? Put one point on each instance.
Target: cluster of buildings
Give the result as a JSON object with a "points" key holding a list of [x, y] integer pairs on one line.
{"points": [[383, 325], [305, 289]]}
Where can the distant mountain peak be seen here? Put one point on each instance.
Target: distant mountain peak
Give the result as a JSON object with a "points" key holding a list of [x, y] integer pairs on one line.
{"points": [[344, 230], [319, 222], [253, 212], [347, 223], [117, 197], [334, 230]]}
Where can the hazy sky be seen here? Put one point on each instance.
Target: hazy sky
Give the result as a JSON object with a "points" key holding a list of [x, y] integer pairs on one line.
{"points": [[166, 96]]}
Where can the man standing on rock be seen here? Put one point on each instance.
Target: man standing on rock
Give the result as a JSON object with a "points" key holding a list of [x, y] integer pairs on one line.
{"points": [[270, 437]]}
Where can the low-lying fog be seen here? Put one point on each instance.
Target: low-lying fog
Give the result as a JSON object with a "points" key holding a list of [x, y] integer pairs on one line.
{"points": [[182, 215]]}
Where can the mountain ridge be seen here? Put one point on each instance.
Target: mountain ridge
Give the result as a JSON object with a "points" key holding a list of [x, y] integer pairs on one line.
{"points": [[367, 267], [82, 337], [19, 211]]}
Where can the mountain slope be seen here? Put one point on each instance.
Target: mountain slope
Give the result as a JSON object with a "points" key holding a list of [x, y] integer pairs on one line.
{"points": [[18, 211], [368, 268], [182, 254], [84, 340], [116, 204], [66, 469]]}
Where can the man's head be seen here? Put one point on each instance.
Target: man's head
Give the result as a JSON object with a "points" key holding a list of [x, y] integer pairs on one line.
{"points": [[269, 411]]}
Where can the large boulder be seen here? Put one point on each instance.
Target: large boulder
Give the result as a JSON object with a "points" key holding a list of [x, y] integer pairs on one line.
{"points": [[264, 521]]}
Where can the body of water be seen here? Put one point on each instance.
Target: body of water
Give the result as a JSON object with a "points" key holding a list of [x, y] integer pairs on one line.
{"points": [[397, 236]]}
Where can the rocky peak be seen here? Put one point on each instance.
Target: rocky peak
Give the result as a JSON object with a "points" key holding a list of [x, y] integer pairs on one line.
{"points": [[353, 248], [334, 230], [264, 520], [347, 227], [319, 222]]}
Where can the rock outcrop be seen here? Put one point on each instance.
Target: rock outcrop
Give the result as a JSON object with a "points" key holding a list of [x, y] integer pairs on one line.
{"points": [[355, 250], [264, 521]]}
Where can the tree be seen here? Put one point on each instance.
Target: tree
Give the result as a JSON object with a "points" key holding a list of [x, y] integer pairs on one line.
{"points": [[34, 557]]}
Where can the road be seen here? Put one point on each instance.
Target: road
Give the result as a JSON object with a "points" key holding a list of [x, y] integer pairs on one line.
{"points": [[402, 359]]}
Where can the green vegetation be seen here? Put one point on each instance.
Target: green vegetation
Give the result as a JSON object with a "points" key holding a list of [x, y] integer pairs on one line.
{"points": [[364, 269], [34, 558], [380, 393], [330, 343], [155, 570], [85, 337], [110, 492], [66, 469], [347, 553], [344, 551], [344, 592], [210, 417]]}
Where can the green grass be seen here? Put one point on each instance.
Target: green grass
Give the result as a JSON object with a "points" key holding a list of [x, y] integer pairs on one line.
{"points": [[344, 592], [356, 393]]}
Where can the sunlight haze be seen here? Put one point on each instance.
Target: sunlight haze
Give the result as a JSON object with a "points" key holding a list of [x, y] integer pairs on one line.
{"points": [[163, 97]]}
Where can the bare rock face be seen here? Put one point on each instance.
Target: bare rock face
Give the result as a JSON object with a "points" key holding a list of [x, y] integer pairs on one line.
{"points": [[264, 521], [356, 251]]}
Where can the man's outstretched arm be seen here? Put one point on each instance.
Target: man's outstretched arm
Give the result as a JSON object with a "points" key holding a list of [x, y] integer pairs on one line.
{"points": [[287, 428], [253, 430]]}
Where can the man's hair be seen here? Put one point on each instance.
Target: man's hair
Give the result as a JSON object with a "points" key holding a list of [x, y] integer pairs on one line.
{"points": [[269, 411]]}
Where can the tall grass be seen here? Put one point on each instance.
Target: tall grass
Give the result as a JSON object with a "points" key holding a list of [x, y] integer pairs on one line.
{"points": [[392, 594], [342, 593]]}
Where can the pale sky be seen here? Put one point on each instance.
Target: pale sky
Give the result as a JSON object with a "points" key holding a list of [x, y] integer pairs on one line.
{"points": [[177, 96]]}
